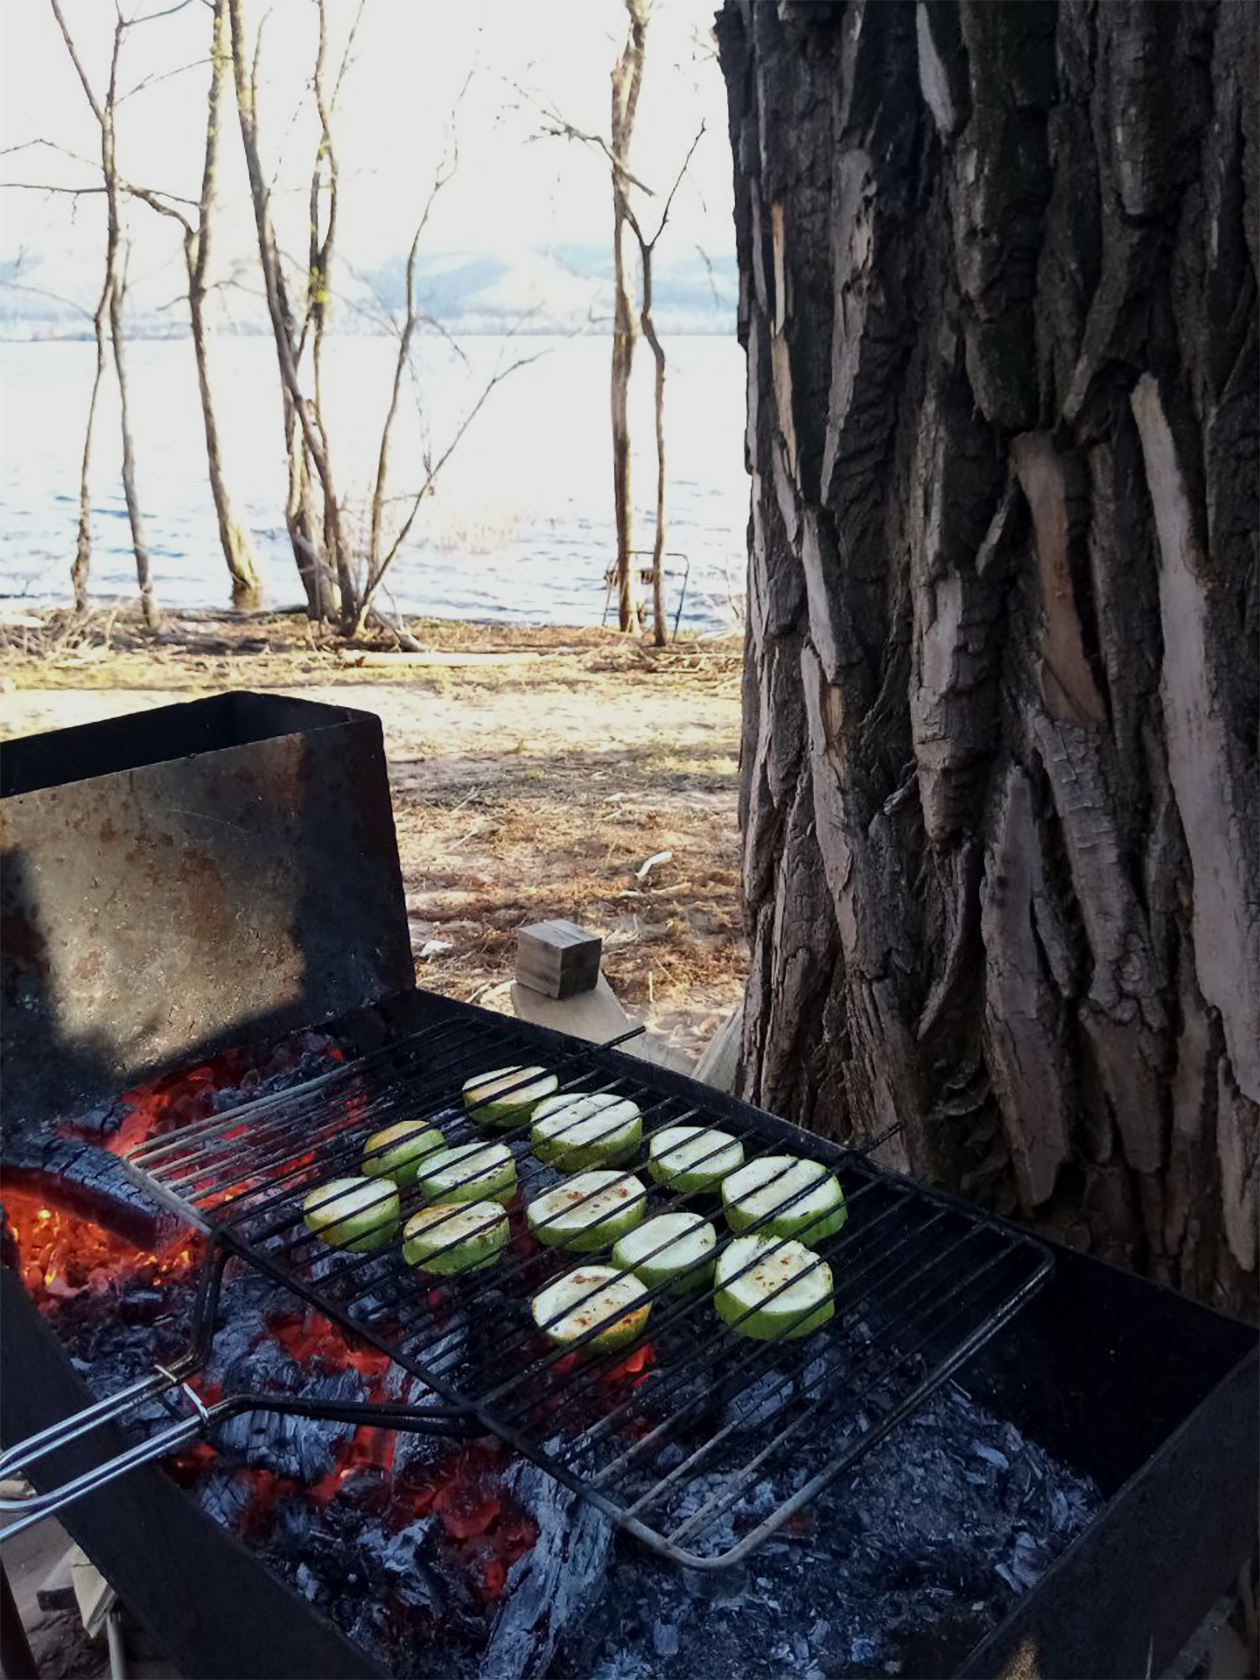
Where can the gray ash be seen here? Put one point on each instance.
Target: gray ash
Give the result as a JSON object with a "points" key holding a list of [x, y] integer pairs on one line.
{"points": [[899, 1568]]}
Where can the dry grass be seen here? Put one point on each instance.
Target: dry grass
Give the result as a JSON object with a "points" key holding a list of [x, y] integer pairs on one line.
{"points": [[522, 790]]}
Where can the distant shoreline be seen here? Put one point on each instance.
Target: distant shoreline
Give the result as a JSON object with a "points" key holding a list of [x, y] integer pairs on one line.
{"points": [[141, 335]]}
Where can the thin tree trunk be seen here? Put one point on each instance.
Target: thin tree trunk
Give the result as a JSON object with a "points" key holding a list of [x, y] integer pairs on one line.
{"points": [[148, 604], [110, 308], [627, 78], [318, 283], [246, 584], [999, 781], [297, 409], [659, 634], [80, 570], [117, 293]]}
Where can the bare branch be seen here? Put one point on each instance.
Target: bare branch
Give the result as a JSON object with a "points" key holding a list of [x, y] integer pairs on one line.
{"points": [[345, 56], [432, 471], [41, 291], [153, 78], [77, 62], [152, 17]]}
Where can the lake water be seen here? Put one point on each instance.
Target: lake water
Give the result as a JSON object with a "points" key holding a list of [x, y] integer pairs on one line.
{"points": [[521, 526]]}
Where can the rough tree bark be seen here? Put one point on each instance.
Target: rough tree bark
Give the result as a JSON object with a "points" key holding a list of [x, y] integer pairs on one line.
{"points": [[999, 801], [627, 79]]}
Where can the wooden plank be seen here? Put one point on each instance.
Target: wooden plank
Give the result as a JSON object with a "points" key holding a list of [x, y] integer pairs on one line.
{"points": [[719, 1060], [596, 1016]]}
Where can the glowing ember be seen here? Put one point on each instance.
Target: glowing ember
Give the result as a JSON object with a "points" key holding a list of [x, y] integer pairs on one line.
{"points": [[62, 1257], [65, 1258]]}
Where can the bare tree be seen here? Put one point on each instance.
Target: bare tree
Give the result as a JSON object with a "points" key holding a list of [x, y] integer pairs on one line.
{"points": [[348, 583], [647, 249], [627, 79], [316, 554], [109, 309], [246, 585]]}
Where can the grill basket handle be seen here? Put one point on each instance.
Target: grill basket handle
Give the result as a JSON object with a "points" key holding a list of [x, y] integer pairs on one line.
{"points": [[34, 1507]]}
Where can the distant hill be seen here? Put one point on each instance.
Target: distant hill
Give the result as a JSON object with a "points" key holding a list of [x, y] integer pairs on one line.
{"points": [[555, 290]]}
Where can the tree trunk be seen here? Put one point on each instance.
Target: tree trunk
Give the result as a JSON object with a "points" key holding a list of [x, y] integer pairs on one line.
{"points": [[999, 787], [246, 584], [303, 438], [148, 602], [82, 565], [627, 78], [659, 630]]}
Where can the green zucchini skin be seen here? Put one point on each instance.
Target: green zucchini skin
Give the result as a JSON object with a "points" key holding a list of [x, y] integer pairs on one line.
{"points": [[359, 1214], [616, 1207], [798, 1311], [433, 1239], [684, 1263], [812, 1217], [620, 1303], [518, 1100], [471, 1172], [397, 1151], [577, 1130], [719, 1154]]}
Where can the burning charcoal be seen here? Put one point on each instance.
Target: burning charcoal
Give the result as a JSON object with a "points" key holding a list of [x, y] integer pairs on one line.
{"points": [[551, 1587]]}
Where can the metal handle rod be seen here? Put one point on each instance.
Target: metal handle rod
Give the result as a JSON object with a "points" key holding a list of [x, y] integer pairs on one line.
{"points": [[16, 1461], [40, 1505]]}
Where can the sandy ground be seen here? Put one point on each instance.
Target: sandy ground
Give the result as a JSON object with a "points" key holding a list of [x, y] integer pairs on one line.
{"points": [[533, 774]]}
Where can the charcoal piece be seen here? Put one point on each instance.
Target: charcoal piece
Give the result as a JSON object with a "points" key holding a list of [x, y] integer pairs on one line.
{"points": [[405, 1571], [225, 1494], [665, 1638], [302, 1449], [552, 1587], [89, 1182]]}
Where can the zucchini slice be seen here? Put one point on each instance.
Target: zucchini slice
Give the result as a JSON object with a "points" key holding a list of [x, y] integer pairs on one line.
{"points": [[675, 1249], [803, 1307], [396, 1151], [785, 1196], [455, 1237], [356, 1213], [586, 1212], [588, 1296], [471, 1172], [506, 1096], [687, 1158], [578, 1129]]}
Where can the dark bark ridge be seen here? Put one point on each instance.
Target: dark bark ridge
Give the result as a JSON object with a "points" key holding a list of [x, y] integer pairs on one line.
{"points": [[999, 793]]}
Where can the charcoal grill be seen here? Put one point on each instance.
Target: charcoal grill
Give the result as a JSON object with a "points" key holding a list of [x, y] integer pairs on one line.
{"points": [[668, 1446]]}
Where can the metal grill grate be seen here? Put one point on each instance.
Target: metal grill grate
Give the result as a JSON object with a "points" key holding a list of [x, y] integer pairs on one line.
{"points": [[697, 1440]]}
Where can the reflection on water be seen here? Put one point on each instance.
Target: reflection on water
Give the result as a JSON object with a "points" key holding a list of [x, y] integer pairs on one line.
{"points": [[521, 525]]}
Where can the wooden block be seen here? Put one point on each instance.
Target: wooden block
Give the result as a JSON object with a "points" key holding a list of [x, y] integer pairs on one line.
{"points": [[557, 958]]}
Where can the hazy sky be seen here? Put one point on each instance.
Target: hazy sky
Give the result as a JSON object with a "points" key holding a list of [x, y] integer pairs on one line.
{"points": [[512, 191]]}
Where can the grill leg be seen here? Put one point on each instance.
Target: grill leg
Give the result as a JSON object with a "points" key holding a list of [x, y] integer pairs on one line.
{"points": [[16, 1660]]}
